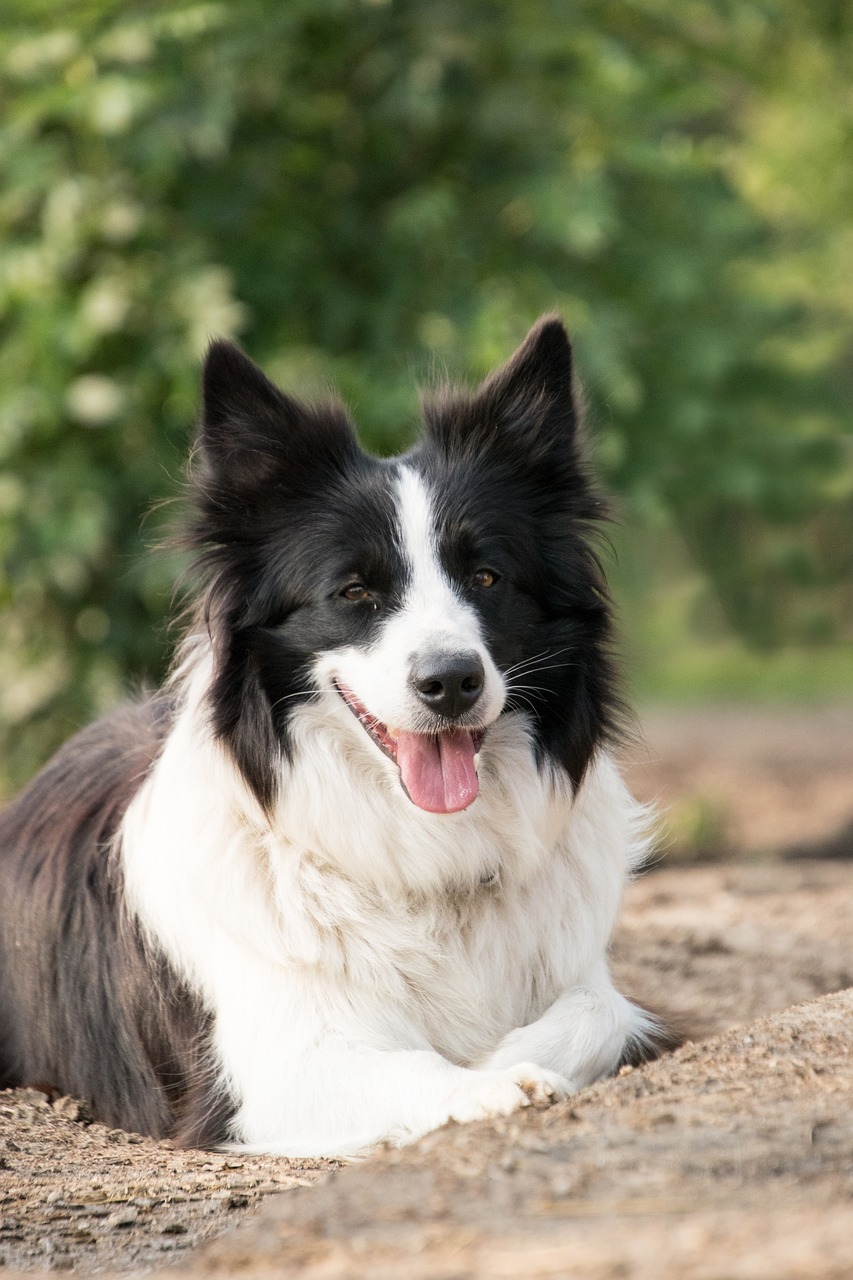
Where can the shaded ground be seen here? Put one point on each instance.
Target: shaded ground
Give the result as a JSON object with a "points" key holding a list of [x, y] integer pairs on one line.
{"points": [[734, 781], [79, 1195], [730, 1158], [715, 946], [733, 1158]]}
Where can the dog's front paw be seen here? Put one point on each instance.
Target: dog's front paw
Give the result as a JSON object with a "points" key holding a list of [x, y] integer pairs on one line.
{"points": [[483, 1095], [541, 1088], [499, 1093]]}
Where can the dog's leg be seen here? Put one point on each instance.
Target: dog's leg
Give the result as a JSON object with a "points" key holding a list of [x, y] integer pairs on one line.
{"points": [[584, 1035], [344, 1099]]}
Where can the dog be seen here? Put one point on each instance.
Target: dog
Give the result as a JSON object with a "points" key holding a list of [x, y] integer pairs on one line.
{"points": [[352, 873]]}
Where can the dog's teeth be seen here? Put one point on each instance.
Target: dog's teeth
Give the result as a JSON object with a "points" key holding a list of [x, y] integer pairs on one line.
{"points": [[393, 732], [476, 762]]}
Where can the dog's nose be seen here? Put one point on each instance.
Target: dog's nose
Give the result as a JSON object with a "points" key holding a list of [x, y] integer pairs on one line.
{"points": [[448, 683]]}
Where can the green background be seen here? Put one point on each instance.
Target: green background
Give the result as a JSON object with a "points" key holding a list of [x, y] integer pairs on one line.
{"points": [[375, 194]]}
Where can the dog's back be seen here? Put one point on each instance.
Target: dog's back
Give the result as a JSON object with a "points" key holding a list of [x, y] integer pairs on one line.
{"points": [[80, 1007]]}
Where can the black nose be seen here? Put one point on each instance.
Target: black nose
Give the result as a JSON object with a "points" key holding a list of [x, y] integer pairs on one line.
{"points": [[448, 683]]}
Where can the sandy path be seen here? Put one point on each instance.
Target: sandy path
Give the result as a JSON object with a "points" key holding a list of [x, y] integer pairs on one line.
{"points": [[716, 945], [732, 1160]]}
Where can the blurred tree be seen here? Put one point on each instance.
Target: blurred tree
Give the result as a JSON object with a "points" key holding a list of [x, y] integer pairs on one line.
{"points": [[355, 188]]}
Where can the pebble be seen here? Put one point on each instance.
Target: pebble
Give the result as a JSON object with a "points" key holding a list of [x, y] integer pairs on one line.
{"points": [[122, 1218], [33, 1098], [72, 1109]]}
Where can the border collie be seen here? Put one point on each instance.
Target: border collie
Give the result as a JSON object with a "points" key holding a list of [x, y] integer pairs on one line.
{"points": [[353, 872]]}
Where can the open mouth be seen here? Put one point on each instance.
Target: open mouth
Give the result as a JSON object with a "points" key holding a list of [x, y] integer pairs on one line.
{"points": [[438, 770]]}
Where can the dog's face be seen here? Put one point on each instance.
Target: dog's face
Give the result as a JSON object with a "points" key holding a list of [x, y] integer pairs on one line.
{"points": [[423, 597]]}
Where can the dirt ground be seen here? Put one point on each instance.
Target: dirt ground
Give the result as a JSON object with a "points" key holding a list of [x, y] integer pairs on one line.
{"points": [[735, 782], [729, 1160]]}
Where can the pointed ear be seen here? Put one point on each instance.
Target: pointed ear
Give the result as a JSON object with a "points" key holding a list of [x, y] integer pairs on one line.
{"points": [[532, 393], [524, 411], [251, 432], [233, 385], [246, 421]]}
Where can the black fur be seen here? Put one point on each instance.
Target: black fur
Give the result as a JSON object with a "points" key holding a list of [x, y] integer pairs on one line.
{"points": [[84, 1007], [517, 494], [288, 507], [288, 510]]}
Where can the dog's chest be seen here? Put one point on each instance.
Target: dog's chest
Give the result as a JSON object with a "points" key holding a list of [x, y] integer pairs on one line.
{"points": [[457, 973]]}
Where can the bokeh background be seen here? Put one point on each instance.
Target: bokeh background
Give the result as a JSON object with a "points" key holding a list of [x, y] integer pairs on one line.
{"points": [[363, 192]]}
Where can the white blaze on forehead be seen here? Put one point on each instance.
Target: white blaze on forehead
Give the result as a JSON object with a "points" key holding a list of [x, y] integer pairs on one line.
{"points": [[419, 539], [431, 618], [434, 616]]}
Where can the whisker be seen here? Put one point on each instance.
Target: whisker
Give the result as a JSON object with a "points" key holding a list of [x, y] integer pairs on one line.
{"points": [[536, 662], [517, 702], [545, 666], [534, 657], [300, 693], [528, 693]]}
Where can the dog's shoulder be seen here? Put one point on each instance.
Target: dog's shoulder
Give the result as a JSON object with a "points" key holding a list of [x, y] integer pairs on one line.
{"points": [[85, 788], [85, 1005]]}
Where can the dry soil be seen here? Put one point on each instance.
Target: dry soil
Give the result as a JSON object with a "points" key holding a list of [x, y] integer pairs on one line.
{"points": [[730, 1160]]}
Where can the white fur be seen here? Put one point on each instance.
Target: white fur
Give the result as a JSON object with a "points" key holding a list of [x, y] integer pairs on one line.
{"points": [[375, 970], [432, 619]]}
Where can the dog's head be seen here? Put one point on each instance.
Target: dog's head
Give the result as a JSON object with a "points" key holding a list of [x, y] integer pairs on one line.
{"points": [[421, 597]]}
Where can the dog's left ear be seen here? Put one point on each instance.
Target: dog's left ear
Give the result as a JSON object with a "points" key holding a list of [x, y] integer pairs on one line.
{"points": [[533, 390], [525, 409]]}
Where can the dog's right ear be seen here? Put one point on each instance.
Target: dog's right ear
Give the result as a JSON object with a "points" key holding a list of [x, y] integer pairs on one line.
{"points": [[233, 387], [252, 433]]}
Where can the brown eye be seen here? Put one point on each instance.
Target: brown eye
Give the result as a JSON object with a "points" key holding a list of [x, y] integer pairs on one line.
{"points": [[485, 578], [356, 591]]}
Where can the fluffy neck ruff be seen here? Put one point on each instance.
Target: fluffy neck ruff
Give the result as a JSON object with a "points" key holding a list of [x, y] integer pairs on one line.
{"points": [[339, 801]]}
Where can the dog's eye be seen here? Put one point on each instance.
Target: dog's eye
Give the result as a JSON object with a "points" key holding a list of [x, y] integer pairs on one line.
{"points": [[485, 578], [356, 591]]}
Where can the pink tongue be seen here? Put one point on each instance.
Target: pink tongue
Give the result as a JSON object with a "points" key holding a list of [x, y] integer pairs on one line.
{"points": [[438, 771]]}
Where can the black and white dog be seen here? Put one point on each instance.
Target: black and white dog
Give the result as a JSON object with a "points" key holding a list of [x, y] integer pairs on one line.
{"points": [[354, 872]]}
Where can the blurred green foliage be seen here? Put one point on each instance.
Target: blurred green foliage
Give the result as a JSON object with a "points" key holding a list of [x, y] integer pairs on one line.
{"points": [[360, 189]]}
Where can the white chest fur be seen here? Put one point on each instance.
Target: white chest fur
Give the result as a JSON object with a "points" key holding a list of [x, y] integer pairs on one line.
{"points": [[354, 921]]}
